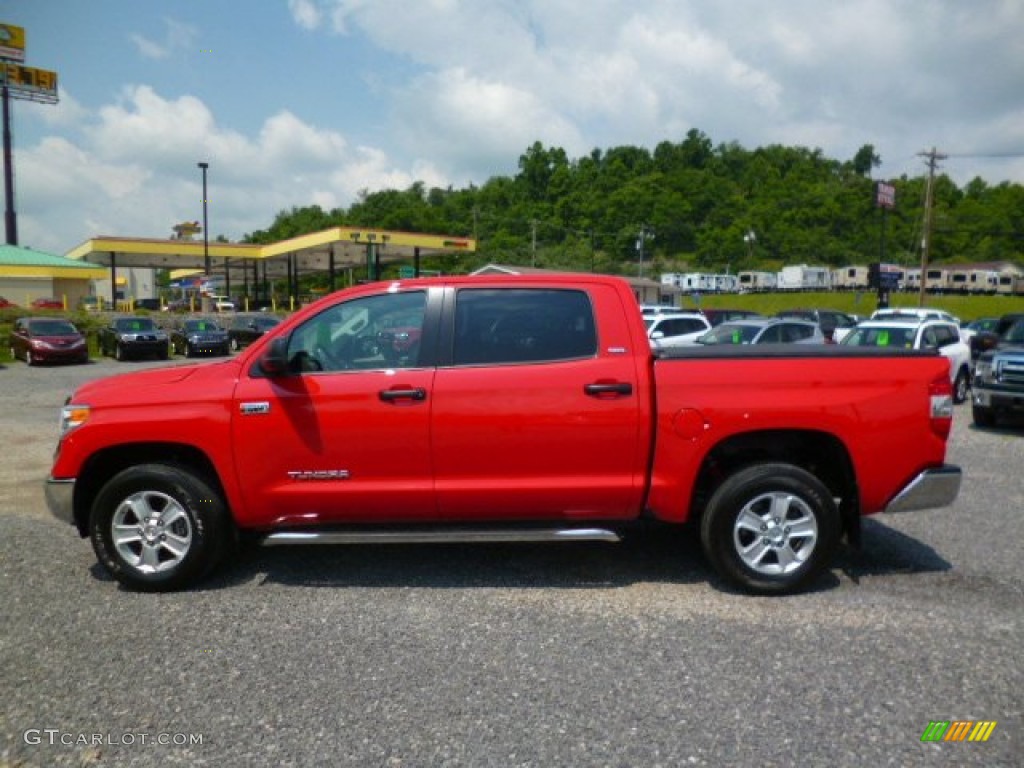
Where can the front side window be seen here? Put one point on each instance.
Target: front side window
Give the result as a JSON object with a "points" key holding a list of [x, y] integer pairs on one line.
{"points": [[494, 326], [372, 332]]}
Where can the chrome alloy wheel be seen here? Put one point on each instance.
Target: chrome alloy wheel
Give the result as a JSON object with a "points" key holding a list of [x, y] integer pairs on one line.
{"points": [[775, 533], [151, 531]]}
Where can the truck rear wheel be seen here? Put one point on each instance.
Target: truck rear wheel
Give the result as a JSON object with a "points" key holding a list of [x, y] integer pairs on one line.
{"points": [[770, 528], [157, 527]]}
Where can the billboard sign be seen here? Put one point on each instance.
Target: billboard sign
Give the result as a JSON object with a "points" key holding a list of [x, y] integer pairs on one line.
{"points": [[32, 83], [12, 42], [885, 195]]}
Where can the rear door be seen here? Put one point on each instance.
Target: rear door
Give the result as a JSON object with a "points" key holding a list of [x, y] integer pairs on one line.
{"points": [[538, 412]]}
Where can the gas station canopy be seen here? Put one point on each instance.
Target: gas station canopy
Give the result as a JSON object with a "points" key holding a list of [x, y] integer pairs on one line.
{"points": [[327, 251]]}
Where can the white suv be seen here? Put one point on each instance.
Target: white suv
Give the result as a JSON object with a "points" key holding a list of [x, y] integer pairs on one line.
{"points": [[911, 333], [678, 329], [222, 304]]}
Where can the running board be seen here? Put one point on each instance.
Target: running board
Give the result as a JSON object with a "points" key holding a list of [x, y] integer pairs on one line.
{"points": [[439, 536]]}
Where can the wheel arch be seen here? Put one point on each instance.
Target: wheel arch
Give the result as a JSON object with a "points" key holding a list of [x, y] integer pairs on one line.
{"points": [[103, 465], [820, 453]]}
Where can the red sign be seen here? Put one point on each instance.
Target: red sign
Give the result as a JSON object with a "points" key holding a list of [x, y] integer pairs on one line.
{"points": [[885, 195]]}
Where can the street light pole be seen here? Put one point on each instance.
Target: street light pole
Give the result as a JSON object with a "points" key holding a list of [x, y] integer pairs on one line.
{"points": [[206, 232], [750, 238]]}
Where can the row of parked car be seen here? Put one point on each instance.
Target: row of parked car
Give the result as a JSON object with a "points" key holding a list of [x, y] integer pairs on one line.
{"points": [[893, 328], [57, 340]]}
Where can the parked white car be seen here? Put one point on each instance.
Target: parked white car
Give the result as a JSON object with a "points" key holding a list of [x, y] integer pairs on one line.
{"points": [[678, 329], [911, 333]]}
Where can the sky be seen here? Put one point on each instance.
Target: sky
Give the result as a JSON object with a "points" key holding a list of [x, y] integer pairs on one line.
{"points": [[301, 102]]}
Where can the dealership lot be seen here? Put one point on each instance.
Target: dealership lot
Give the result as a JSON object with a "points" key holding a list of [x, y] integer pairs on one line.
{"points": [[584, 654]]}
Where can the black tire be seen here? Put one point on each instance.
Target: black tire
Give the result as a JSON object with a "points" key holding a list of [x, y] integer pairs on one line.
{"points": [[983, 417], [118, 352], [188, 350], [770, 529], [29, 360], [234, 344], [960, 386], [174, 527]]}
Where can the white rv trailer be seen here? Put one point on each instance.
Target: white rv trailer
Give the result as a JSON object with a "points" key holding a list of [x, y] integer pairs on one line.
{"points": [[850, 278], [758, 281], [802, 277]]}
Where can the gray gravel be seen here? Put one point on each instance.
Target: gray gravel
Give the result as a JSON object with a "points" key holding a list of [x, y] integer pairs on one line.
{"points": [[513, 655]]}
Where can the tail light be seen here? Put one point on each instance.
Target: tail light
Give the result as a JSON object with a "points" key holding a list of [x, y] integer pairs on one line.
{"points": [[940, 396]]}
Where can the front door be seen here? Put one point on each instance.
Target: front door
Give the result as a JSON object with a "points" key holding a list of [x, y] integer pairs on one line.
{"points": [[345, 436]]}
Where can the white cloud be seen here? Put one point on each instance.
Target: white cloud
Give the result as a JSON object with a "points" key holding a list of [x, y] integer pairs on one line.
{"points": [[306, 13], [66, 113], [132, 171], [834, 75], [178, 37], [460, 89]]}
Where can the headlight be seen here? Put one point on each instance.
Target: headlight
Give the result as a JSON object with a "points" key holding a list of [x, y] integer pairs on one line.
{"points": [[72, 416], [983, 370]]}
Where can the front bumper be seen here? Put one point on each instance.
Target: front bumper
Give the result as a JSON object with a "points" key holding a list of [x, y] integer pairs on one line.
{"points": [[60, 498], [931, 488], [1003, 399]]}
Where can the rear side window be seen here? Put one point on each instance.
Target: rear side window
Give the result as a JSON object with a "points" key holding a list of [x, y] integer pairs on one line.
{"points": [[522, 325], [792, 332], [680, 325]]}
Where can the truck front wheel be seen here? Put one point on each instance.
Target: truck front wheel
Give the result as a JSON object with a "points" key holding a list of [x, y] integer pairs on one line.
{"points": [[770, 528], [157, 527], [983, 417]]}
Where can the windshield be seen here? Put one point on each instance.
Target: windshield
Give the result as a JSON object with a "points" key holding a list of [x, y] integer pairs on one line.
{"points": [[200, 326], [881, 337], [1015, 333], [52, 328], [730, 333], [134, 324]]}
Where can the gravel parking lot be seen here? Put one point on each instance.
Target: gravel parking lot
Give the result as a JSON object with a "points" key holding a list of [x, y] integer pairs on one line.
{"points": [[512, 655]]}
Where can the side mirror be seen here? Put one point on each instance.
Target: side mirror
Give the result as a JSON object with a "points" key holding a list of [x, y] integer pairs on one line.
{"points": [[274, 362], [658, 335]]}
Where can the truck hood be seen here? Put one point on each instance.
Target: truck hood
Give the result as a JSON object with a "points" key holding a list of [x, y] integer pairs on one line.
{"points": [[178, 382]]}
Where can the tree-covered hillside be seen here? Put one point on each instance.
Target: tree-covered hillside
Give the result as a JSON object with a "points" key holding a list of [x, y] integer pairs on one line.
{"points": [[700, 207]]}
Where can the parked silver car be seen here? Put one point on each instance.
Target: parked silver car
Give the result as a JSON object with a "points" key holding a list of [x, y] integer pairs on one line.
{"points": [[767, 330]]}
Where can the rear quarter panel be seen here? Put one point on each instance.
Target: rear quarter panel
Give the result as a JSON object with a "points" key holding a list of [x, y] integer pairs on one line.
{"points": [[877, 406]]}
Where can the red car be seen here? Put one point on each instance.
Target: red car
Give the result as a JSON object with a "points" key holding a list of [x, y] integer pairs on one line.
{"points": [[5, 304], [48, 340], [47, 302]]}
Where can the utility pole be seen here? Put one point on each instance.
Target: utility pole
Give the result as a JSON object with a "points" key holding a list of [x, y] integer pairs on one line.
{"points": [[533, 242], [646, 233], [10, 216], [932, 159]]}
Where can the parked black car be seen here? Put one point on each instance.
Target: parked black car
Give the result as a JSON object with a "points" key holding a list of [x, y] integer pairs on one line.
{"points": [[998, 386], [199, 336], [127, 337], [246, 327], [982, 341]]}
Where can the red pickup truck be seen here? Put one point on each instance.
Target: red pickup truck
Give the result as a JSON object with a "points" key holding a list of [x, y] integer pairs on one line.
{"points": [[498, 409]]}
